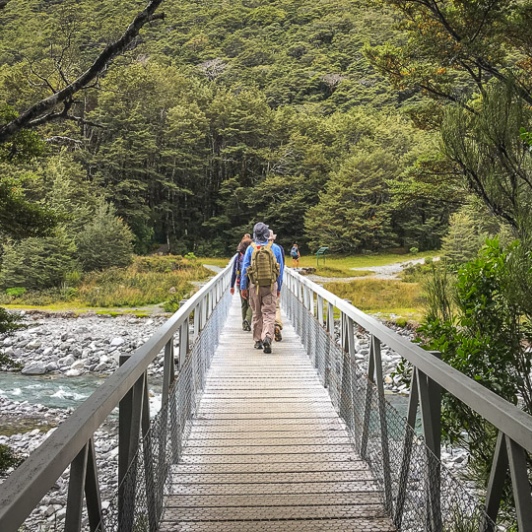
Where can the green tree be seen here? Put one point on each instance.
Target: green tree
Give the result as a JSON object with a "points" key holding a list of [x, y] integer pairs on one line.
{"points": [[352, 215], [495, 162], [105, 242], [463, 241], [487, 340], [38, 262]]}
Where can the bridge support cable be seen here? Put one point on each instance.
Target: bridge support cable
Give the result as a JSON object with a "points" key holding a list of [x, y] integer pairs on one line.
{"points": [[403, 452]]}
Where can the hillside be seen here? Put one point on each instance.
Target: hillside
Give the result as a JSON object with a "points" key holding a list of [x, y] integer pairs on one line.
{"points": [[221, 114]]}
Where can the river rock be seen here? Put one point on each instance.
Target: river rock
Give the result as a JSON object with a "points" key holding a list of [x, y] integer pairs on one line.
{"points": [[78, 365], [35, 344], [115, 342], [34, 368]]}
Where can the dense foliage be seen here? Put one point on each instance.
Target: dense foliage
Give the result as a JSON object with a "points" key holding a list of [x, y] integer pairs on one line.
{"points": [[487, 337], [222, 114]]}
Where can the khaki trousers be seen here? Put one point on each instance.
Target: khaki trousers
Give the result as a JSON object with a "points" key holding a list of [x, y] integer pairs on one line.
{"points": [[278, 319], [263, 305]]}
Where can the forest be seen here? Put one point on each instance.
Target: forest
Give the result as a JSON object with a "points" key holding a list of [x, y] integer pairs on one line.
{"points": [[217, 115]]}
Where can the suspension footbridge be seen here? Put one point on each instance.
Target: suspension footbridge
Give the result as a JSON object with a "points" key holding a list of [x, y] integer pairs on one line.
{"points": [[300, 439]]}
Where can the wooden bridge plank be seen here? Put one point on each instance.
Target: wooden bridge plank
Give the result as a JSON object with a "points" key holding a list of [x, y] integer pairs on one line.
{"points": [[322, 525], [305, 499], [270, 467], [258, 490], [248, 513], [267, 450], [257, 459]]}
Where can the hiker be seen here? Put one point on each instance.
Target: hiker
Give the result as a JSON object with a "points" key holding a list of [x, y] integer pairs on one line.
{"points": [[294, 253], [235, 278], [263, 267], [278, 319]]}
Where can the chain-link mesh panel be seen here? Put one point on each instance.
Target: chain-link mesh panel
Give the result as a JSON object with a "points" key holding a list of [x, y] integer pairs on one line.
{"points": [[419, 494], [142, 490]]}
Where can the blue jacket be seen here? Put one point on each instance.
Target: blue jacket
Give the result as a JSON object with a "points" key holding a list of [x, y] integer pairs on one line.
{"points": [[246, 263]]}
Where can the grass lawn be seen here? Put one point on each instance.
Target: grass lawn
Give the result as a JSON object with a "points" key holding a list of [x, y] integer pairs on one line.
{"points": [[362, 261], [155, 283], [389, 299], [221, 262]]}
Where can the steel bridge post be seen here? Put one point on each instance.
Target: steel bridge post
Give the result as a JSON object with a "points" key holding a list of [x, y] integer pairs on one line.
{"points": [[84, 479], [375, 352], [413, 402], [329, 326], [348, 373], [430, 403]]}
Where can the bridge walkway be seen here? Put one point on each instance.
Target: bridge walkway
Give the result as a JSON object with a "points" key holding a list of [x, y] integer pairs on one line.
{"points": [[267, 450]]}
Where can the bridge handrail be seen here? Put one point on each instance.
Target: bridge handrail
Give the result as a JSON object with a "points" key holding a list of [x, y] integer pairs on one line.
{"points": [[505, 416], [29, 483]]}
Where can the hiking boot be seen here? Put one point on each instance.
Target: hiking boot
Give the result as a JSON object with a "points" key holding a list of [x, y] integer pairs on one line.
{"points": [[277, 334], [258, 344], [267, 344], [246, 326]]}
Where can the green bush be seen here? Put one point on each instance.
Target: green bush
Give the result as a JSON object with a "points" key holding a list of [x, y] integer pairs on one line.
{"points": [[16, 291], [8, 458], [486, 337], [173, 304], [38, 262], [105, 242], [165, 264]]}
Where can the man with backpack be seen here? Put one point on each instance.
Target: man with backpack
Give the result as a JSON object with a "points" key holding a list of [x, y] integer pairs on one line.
{"points": [[261, 281]]}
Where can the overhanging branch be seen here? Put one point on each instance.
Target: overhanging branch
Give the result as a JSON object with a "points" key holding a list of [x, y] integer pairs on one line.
{"points": [[42, 111]]}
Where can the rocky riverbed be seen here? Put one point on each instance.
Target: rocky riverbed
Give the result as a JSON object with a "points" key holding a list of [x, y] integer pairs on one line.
{"points": [[75, 346], [50, 513], [64, 347]]}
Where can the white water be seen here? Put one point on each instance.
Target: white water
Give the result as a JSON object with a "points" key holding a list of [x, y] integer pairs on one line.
{"points": [[51, 391]]}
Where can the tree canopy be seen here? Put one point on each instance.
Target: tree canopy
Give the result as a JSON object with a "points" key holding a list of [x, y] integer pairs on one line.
{"points": [[197, 120]]}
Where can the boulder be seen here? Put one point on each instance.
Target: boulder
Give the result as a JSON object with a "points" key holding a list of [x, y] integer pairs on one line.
{"points": [[115, 342], [34, 368], [35, 344]]}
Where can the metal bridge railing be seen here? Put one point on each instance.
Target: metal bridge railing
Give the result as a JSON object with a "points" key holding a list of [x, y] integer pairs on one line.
{"points": [[146, 447], [419, 494]]}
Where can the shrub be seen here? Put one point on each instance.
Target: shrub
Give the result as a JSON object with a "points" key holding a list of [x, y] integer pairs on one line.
{"points": [[105, 242], [16, 291], [8, 458], [166, 264], [128, 288], [173, 304], [6, 363], [487, 339], [38, 262]]}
